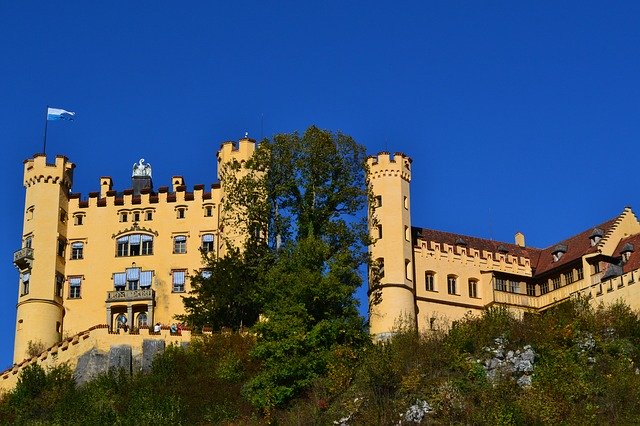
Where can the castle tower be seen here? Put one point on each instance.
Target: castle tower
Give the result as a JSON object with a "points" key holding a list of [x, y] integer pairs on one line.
{"points": [[232, 223], [41, 260], [391, 300]]}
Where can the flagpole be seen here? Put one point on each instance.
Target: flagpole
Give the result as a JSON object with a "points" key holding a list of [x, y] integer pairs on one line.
{"points": [[46, 122]]}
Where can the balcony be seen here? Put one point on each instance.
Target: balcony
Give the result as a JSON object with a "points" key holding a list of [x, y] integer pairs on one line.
{"points": [[23, 258], [130, 295]]}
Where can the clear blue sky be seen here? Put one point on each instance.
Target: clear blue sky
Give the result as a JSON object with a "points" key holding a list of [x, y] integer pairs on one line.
{"points": [[519, 115]]}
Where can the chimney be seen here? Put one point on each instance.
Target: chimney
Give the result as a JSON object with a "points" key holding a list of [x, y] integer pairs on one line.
{"points": [[520, 239]]}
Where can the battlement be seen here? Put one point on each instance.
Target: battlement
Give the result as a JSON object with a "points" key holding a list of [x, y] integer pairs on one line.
{"points": [[384, 164], [37, 170], [487, 260], [241, 151], [127, 198]]}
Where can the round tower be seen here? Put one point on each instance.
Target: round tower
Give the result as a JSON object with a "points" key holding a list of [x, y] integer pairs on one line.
{"points": [[42, 257], [391, 281], [233, 228]]}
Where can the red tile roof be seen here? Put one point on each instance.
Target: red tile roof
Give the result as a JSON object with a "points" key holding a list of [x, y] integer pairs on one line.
{"points": [[541, 259], [475, 242], [634, 260], [577, 246]]}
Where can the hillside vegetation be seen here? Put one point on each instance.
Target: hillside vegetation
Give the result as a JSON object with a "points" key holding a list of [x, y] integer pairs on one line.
{"points": [[585, 371]]}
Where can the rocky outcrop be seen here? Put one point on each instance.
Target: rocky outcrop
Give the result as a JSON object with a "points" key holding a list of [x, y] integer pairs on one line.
{"points": [[91, 365], [517, 364], [119, 358], [150, 348]]}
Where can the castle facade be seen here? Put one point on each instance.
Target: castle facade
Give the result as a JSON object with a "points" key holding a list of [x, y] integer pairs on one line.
{"points": [[428, 278], [114, 260]]}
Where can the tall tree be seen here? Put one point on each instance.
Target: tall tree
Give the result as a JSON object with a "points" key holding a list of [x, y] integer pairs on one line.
{"points": [[301, 204]]}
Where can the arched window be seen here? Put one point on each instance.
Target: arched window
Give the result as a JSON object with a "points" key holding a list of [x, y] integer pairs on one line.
{"points": [[134, 245], [142, 319], [451, 284], [430, 281], [473, 287]]}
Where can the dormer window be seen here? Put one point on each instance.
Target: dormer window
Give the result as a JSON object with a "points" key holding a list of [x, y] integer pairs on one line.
{"points": [[626, 251], [461, 242], [502, 249], [558, 252], [596, 236]]}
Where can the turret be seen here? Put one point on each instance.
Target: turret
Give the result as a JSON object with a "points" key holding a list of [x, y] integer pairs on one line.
{"points": [[41, 261], [392, 301], [233, 229]]}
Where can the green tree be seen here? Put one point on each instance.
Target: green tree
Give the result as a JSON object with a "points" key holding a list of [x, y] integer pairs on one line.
{"points": [[300, 202]]}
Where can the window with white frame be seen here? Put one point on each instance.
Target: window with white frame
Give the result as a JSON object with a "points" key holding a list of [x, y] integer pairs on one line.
{"points": [[75, 285], [180, 244], [134, 245], [429, 281], [207, 243], [77, 250], [514, 286], [473, 288], [208, 211], [178, 281], [451, 284]]}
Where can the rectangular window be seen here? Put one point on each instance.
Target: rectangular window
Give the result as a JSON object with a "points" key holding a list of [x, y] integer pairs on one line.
{"points": [[135, 240], [146, 278], [180, 244], [473, 288], [380, 262], [124, 217], [59, 284], [451, 284], [501, 284], [580, 273], [122, 247], [28, 242], [75, 284], [544, 287], [180, 213], [568, 277], [61, 246], [429, 281], [149, 215], [514, 286], [596, 267], [531, 289], [207, 243], [78, 219], [147, 244], [556, 283], [178, 281], [120, 280], [25, 283], [133, 278], [378, 201], [208, 211], [77, 250], [379, 228], [136, 217]]}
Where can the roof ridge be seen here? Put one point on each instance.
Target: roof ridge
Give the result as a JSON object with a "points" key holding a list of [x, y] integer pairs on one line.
{"points": [[614, 225]]}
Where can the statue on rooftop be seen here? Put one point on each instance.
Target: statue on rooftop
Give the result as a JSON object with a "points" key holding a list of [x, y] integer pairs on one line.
{"points": [[141, 169]]}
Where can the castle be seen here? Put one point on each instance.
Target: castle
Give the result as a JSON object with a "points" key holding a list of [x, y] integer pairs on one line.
{"points": [[101, 271], [429, 278], [118, 260]]}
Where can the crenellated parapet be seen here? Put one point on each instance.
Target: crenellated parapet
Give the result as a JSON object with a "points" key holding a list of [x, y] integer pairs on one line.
{"points": [[468, 256], [37, 170], [241, 152], [384, 164]]}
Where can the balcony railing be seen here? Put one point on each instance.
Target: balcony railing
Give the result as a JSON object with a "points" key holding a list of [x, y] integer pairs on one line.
{"points": [[23, 258], [130, 295]]}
